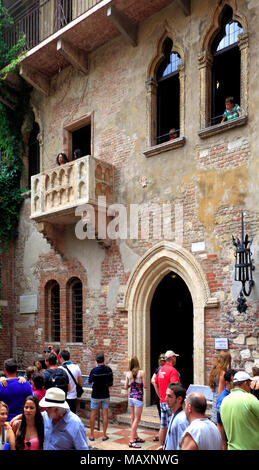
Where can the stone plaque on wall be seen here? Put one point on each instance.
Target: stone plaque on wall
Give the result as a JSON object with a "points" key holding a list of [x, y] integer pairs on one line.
{"points": [[28, 303]]}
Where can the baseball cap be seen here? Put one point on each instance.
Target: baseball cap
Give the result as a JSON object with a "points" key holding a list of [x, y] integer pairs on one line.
{"points": [[170, 354], [241, 377]]}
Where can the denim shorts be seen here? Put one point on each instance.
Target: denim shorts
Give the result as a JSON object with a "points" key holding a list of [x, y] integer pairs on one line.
{"points": [[99, 403], [135, 402], [166, 414]]}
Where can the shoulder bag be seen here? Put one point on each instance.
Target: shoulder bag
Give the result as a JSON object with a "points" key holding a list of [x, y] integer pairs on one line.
{"points": [[79, 389]]}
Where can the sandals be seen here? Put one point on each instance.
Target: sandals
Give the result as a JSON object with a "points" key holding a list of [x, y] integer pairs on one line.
{"points": [[139, 440], [135, 445]]}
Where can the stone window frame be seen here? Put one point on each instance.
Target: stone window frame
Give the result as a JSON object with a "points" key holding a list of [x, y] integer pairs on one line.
{"points": [[205, 61], [151, 100], [76, 124]]}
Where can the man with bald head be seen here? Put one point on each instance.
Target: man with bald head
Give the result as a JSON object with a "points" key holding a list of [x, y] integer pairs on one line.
{"points": [[201, 434]]}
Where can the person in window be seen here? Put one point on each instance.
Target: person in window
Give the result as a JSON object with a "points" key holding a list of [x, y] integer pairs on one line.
{"points": [[232, 110], [77, 154], [173, 134], [61, 158]]}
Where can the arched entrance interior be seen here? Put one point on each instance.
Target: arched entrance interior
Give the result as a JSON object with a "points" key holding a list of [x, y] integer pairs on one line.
{"points": [[171, 325]]}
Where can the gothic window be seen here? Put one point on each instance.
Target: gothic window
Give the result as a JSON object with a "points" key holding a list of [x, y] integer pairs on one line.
{"points": [[226, 67], [223, 65], [168, 94]]}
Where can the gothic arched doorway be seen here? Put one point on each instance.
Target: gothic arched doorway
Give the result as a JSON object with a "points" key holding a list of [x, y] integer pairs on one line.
{"points": [[158, 262]]}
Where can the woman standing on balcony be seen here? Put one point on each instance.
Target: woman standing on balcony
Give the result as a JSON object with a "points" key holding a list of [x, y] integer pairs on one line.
{"points": [[61, 158], [136, 381]]}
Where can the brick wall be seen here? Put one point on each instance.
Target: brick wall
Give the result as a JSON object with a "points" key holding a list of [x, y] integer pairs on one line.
{"points": [[7, 278]]}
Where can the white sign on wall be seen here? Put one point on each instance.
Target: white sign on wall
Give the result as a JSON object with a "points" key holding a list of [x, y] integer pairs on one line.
{"points": [[221, 343]]}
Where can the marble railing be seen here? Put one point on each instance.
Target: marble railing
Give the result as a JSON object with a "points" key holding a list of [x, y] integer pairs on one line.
{"points": [[63, 188]]}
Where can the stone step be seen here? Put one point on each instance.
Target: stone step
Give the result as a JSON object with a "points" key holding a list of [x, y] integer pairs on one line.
{"points": [[149, 418]]}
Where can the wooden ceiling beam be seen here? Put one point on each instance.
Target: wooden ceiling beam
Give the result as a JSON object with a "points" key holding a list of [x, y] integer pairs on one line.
{"points": [[37, 79], [73, 55], [124, 24]]}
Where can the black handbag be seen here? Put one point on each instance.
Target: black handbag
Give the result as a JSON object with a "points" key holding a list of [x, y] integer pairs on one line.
{"points": [[79, 389]]}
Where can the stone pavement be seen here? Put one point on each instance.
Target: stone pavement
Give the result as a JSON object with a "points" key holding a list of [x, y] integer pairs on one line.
{"points": [[119, 439]]}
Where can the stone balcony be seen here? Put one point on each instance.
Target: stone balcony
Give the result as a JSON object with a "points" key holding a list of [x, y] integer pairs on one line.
{"points": [[57, 193]]}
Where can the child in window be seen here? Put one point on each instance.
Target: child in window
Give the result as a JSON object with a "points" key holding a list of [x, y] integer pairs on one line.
{"points": [[232, 110]]}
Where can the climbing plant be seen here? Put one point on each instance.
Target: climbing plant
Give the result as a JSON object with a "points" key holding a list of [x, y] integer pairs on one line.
{"points": [[11, 146]]}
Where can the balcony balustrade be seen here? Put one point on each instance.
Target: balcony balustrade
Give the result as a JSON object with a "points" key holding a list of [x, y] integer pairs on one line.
{"points": [[39, 20], [56, 193]]}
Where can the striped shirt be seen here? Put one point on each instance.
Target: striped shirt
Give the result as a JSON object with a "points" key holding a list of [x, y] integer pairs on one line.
{"points": [[232, 113]]}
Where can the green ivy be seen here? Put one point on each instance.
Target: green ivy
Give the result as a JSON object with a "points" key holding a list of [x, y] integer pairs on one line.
{"points": [[11, 146]]}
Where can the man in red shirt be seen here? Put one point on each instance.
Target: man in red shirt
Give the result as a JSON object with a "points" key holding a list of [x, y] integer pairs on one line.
{"points": [[167, 374]]}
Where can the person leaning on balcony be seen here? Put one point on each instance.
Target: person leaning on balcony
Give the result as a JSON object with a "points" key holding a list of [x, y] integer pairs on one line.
{"points": [[61, 158]]}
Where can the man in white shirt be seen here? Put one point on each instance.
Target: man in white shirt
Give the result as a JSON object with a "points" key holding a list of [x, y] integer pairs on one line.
{"points": [[75, 370], [202, 433]]}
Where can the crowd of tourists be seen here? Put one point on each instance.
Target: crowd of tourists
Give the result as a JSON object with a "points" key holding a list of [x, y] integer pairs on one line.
{"points": [[38, 411]]}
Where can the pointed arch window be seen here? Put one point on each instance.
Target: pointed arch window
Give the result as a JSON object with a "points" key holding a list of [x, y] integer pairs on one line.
{"points": [[223, 65], [168, 94], [226, 68], [165, 99]]}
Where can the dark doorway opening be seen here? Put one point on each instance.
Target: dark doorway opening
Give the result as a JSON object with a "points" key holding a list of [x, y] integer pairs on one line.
{"points": [[81, 139], [168, 107], [171, 326], [34, 153]]}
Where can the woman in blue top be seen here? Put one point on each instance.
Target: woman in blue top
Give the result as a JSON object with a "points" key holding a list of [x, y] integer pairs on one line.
{"points": [[135, 381]]}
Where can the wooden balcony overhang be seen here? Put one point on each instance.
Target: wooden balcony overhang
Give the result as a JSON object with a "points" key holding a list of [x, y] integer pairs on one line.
{"points": [[100, 24]]}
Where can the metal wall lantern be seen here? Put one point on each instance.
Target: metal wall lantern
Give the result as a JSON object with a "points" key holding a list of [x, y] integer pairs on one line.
{"points": [[243, 267]]}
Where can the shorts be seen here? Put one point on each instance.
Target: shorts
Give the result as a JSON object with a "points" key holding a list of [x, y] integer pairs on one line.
{"points": [[166, 414], [99, 403], [135, 402]]}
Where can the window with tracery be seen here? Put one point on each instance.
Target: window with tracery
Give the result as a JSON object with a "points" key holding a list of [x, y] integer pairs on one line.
{"points": [[168, 94], [226, 68]]}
